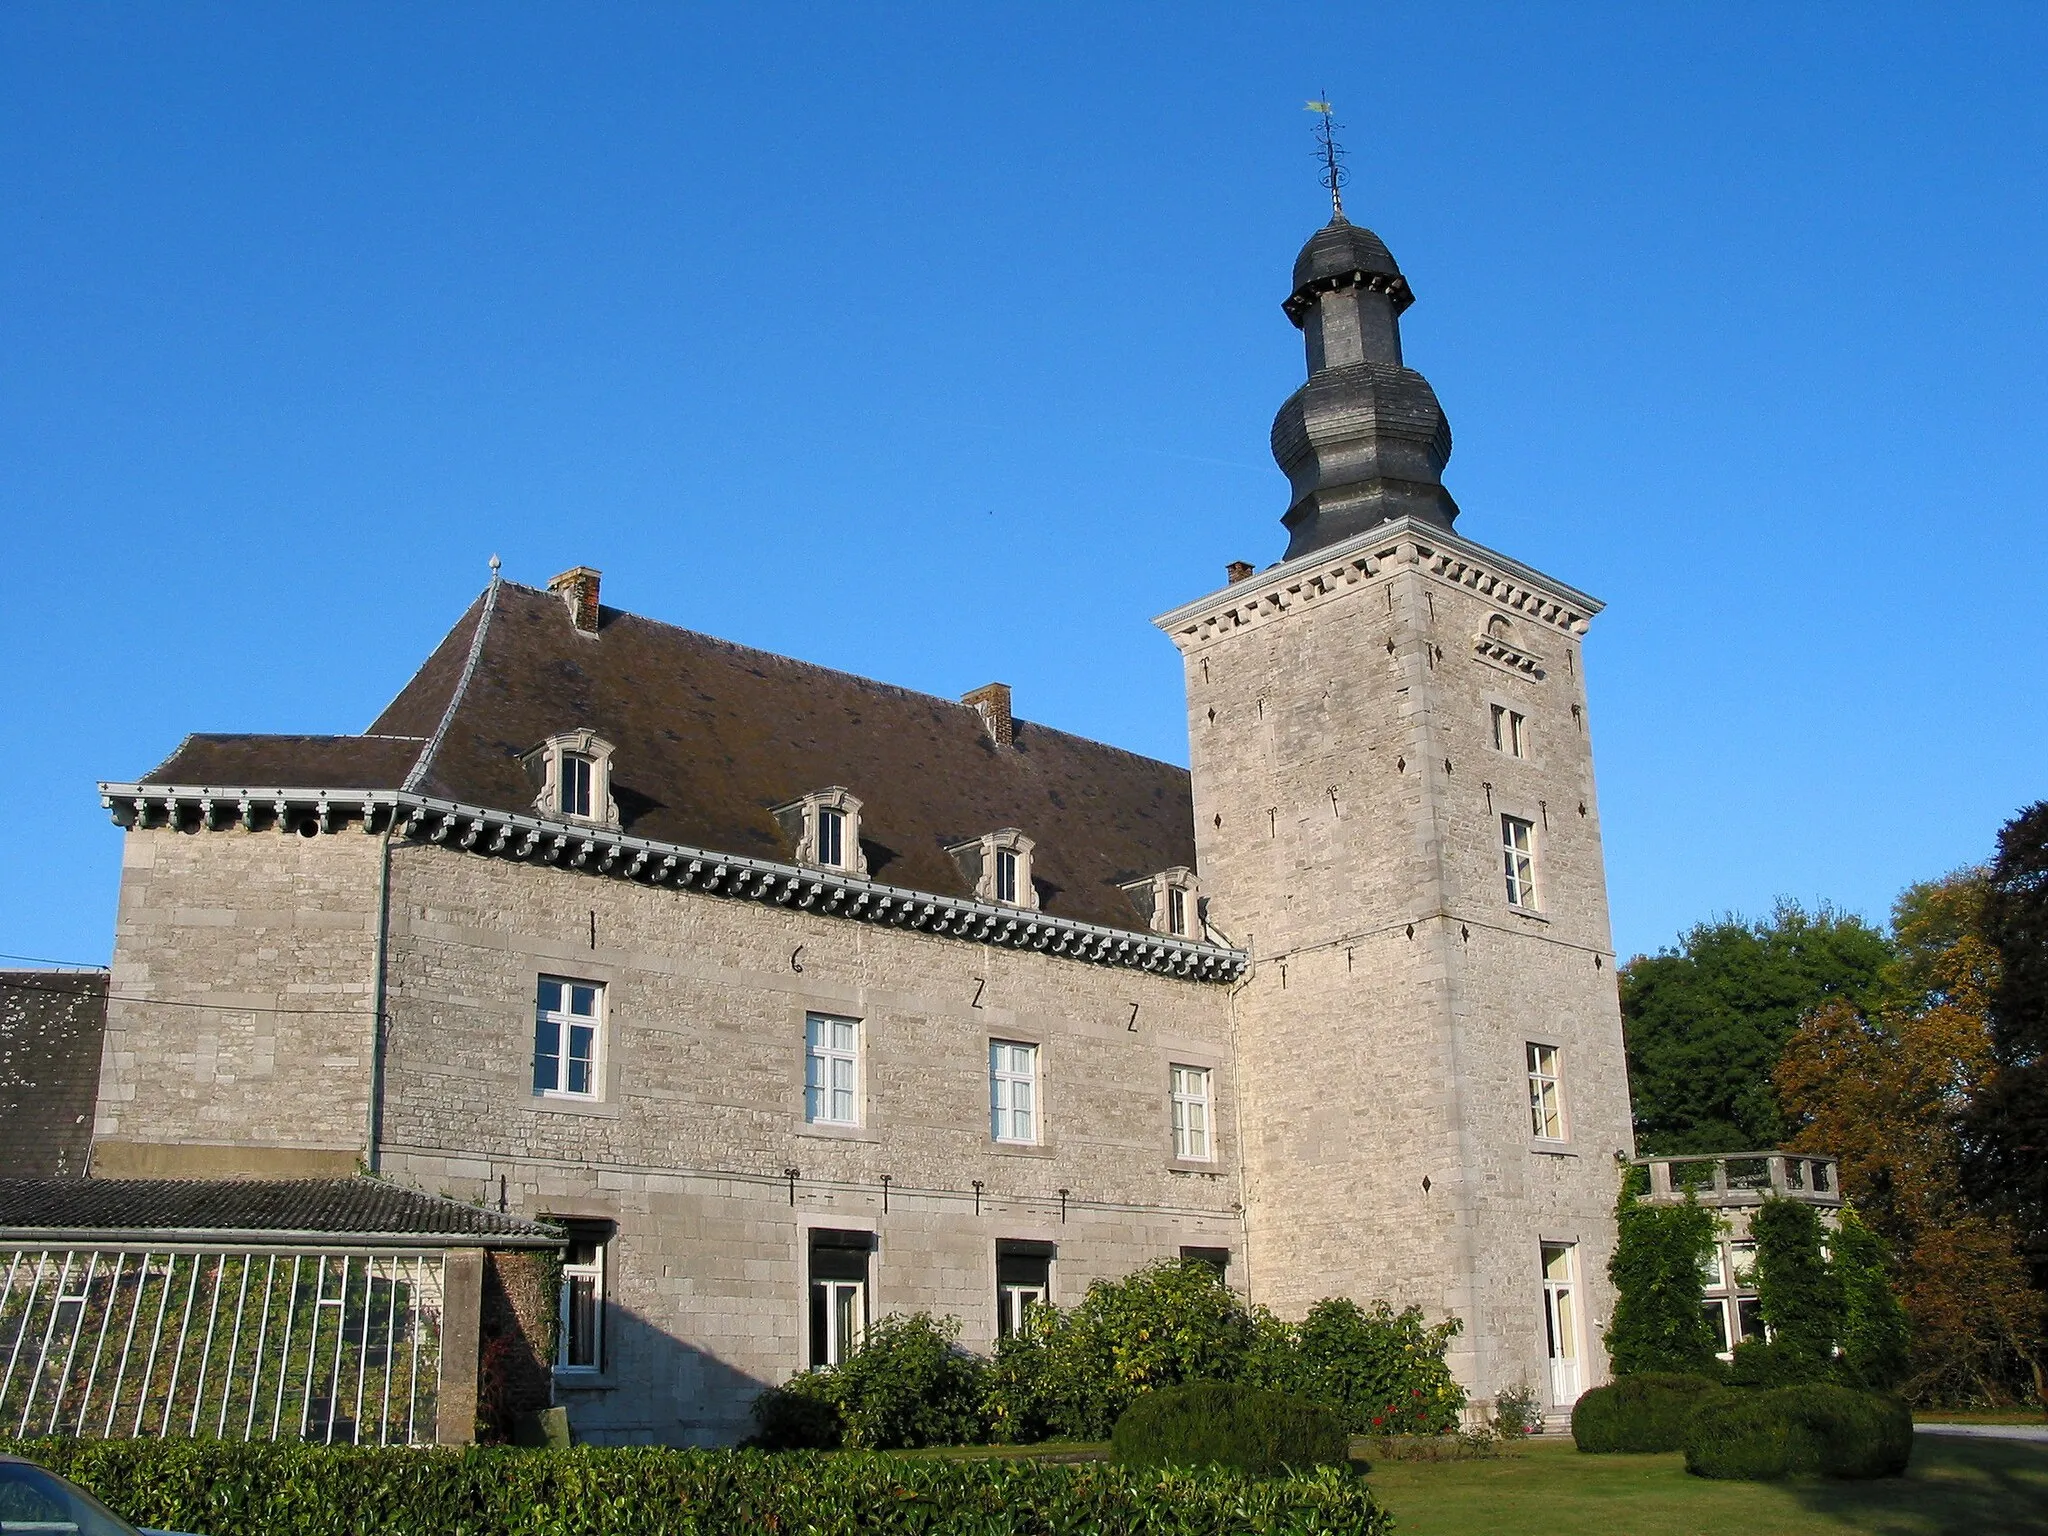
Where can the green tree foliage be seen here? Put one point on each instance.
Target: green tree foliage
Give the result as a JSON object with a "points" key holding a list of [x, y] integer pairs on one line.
{"points": [[1874, 1336], [1658, 1324], [1801, 1296], [1381, 1371], [908, 1384], [2006, 1161], [1705, 1023]]}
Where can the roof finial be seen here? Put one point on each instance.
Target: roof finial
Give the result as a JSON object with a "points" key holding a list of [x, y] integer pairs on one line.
{"points": [[1331, 153]]}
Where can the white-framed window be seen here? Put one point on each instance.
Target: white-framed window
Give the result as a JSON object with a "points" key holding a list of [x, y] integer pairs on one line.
{"points": [[1546, 1093], [1518, 849], [574, 775], [1006, 876], [579, 1319], [1023, 1281], [1510, 731], [831, 1070], [831, 837], [568, 1038], [998, 867], [1191, 1131], [1561, 1320], [1013, 1091], [1728, 1295], [574, 799], [838, 1294], [1177, 910], [1170, 901]]}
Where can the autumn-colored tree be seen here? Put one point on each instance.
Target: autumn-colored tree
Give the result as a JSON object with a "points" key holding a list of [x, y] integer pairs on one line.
{"points": [[1884, 1086]]}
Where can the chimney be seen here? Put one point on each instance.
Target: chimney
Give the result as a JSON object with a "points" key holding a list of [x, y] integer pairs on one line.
{"points": [[579, 591], [993, 700], [1237, 571]]}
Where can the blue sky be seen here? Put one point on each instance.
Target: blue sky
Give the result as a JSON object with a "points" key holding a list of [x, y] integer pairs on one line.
{"points": [[940, 343]]}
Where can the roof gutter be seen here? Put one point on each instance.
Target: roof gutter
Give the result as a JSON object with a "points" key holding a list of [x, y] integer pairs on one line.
{"points": [[159, 1238]]}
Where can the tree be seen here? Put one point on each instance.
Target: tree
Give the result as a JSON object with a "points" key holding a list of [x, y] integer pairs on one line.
{"points": [[1705, 1023], [1658, 1323], [1883, 1087], [2006, 1130]]}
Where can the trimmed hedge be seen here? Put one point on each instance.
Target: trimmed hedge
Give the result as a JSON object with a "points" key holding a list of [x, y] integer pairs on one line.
{"points": [[1798, 1431], [1645, 1412], [257, 1490], [1216, 1423]]}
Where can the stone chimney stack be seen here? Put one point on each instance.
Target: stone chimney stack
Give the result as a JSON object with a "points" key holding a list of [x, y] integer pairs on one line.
{"points": [[578, 588], [1238, 570], [993, 700]]}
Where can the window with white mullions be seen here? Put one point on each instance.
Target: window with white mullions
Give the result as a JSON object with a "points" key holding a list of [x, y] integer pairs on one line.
{"points": [[831, 837], [567, 1037], [1023, 1281], [1561, 1321], [579, 1331], [838, 1293], [1006, 876], [831, 1070], [1546, 1098], [1013, 1091], [1190, 1092], [575, 785], [1510, 731], [1729, 1299], [1518, 847], [1176, 910]]}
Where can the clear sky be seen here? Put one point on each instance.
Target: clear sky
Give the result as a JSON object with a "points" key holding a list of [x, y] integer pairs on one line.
{"points": [[939, 343]]}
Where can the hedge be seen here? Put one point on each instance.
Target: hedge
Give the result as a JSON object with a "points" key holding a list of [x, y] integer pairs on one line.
{"points": [[1215, 1423], [227, 1489], [1645, 1412], [1798, 1431]]}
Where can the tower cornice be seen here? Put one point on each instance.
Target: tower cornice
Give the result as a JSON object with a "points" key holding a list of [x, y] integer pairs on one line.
{"points": [[1401, 543]]}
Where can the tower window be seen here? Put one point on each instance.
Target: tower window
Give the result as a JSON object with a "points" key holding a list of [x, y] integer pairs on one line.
{"points": [[1518, 842], [1510, 731], [567, 1037], [831, 837], [831, 1070], [1191, 1141], [1546, 1103], [1013, 1091], [1006, 876]]}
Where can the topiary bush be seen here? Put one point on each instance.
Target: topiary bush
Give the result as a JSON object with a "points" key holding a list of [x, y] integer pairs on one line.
{"points": [[1801, 1296], [1644, 1412], [1381, 1371], [1756, 1363], [1658, 1324], [1829, 1431], [1215, 1423]]}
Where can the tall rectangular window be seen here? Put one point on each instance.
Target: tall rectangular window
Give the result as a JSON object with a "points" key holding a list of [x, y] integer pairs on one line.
{"points": [[568, 1024], [1546, 1103], [838, 1294], [575, 786], [1006, 875], [1561, 1320], [1518, 847], [1013, 1091], [579, 1320], [1176, 910], [1510, 732], [1023, 1281], [1728, 1295], [831, 838], [1191, 1113], [831, 1070]]}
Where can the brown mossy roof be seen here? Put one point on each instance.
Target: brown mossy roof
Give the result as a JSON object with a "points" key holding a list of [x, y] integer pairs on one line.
{"points": [[52, 1024], [356, 1207], [710, 736]]}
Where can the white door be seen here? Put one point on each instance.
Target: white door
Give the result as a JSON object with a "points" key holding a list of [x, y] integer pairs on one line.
{"points": [[1561, 1321]]}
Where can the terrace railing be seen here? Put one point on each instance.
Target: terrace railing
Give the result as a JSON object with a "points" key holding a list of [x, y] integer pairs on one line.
{"points": [[1745, 1178]]}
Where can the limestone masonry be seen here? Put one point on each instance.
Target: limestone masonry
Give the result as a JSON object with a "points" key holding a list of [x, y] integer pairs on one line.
{"points": [[799, 999]]}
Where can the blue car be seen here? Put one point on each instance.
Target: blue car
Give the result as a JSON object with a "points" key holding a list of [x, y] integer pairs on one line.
{"points": [[33, 1499]]}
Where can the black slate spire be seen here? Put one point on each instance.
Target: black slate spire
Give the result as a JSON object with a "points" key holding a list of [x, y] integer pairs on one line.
{"points": [[1364, 440]]}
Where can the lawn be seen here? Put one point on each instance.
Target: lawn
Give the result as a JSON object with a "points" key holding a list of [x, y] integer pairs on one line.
{"points": [[1979, 1486]]}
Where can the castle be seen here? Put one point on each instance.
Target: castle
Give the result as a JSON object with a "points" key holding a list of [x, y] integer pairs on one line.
{"points": [[798, 999]]}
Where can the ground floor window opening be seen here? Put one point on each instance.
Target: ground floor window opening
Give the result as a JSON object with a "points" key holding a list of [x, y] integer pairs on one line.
{"points": [[839, 1265], [1023, 1281]]}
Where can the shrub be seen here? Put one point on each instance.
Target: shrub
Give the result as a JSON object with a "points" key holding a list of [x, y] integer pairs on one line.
{"points": [[1798, 1431], [1874, 1335], [1382, 1371], [1775, 1364], [256, 1490], [1215, 1423], [798, 1417], [1801, 1297], [906, 1384], [1516, 1411], [1644, 1412], [1658, 1324]]}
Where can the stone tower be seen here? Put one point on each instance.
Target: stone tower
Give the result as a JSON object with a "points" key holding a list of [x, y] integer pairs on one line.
{"points": [[1394, 806]]}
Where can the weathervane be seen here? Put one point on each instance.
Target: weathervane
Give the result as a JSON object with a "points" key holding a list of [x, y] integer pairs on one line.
{"points": [[1331, 153]]}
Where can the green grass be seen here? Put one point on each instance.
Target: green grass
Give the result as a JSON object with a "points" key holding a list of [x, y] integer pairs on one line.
{"points": [[1980, 1416], [1981, 1486]]}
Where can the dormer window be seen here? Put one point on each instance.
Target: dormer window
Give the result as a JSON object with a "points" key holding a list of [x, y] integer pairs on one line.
{"points": [[824, 828], [573, 773], [997, 865], [1170, 901]]}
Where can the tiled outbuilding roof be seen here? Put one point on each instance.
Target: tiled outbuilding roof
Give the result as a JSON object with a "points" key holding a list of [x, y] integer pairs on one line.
{"points": [[51, 1027], [710, 736], [253, 1211]]}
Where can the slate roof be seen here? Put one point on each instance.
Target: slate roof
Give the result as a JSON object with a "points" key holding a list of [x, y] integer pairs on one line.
{"points": [[711, 735], [51, 1027], [253, 1210], [1340, 248]]}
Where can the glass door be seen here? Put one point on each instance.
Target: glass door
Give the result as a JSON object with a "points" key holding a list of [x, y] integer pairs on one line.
{"points": [[1561, 1321]]}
